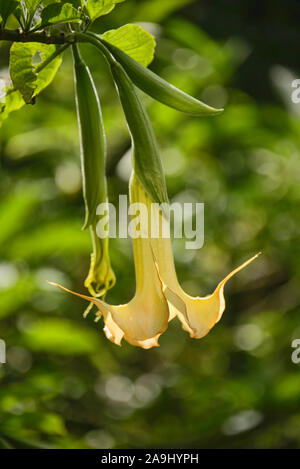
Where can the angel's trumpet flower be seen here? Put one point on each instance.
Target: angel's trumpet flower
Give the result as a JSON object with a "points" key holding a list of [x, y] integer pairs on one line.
{"points": [[197, 315], [146, 316]]}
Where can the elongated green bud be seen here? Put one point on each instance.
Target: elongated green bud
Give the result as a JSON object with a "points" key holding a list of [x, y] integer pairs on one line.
{"points": [[93, 155], [92, 139], [146, 156], [158, 88]]}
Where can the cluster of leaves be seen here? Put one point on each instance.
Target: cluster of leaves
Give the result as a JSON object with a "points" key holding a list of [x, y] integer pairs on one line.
{"points": [[41, 13], [33, 65]]}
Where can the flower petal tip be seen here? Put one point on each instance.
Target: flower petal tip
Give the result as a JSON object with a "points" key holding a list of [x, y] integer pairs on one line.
{"points": [[111, 337]]}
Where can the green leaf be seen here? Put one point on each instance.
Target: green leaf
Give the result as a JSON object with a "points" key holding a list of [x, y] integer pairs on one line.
{"points": [[27, 81], [96, 8], [62, 337], [21, 68], [59, 13], [50, 2], [7, 7], [11, 101], [32, 5], [134, 41], [19, 13], [16, 296], [47, 74], [24, 73], [16, 208], [40, 243]]}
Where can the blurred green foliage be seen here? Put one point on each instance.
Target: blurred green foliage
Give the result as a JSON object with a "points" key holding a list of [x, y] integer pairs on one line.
{"points": [[64, 384]]}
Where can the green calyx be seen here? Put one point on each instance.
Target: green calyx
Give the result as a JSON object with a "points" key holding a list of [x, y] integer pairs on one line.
{"points": [[146, 156], [93, 156], [92, 139], [101, 277]]}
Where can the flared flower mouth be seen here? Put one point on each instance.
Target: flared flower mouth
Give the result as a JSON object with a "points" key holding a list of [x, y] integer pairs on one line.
{"points": [[159, 298], [198, 315], [140, 322]]}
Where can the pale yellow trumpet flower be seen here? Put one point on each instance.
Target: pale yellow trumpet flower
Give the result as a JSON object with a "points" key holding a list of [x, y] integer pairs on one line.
{"points": [[146, 316], [197, 315]]}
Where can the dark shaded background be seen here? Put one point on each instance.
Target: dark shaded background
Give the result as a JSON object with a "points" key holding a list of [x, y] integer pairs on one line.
{"points": [[64, 384]]}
